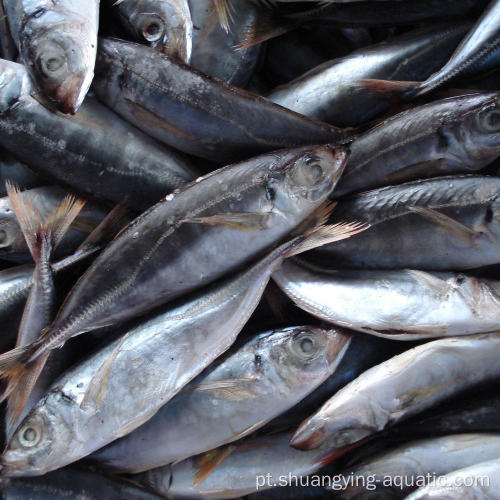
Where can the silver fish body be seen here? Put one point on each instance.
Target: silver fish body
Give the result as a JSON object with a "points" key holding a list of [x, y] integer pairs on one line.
{"points": [[165, 25], [410, 464], [17, 173], [402, 237], [213, 47], [181, 107], [329, 92], [155, 360], [254, 464], [399, 305], [58, 43], [93, 151], [451, 136], [400, 387], [476, 482], [71, 483], [280, 367], [167, 255]]}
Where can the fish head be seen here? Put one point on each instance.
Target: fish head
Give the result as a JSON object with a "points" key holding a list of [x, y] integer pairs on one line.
{"points": [[480, 135], [14, 82], [61, 64], [37, 443], [305, 355], [305, 181], [165, 25], [12, 243]]}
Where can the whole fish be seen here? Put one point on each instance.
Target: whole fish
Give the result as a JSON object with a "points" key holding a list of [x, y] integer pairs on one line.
{"points": [[93, 152], [123, 385], [244, 208], [480, 49], [13, 245], [447, 223], [213, 46], [454, 135], [413, 464], [400, 387], [480, 481], [42, 236], [198, 115], [72, 483], [165, 25], [253, 464], [278, 367], [399, 305], [328, 93], [17, 173], [58, 42]]}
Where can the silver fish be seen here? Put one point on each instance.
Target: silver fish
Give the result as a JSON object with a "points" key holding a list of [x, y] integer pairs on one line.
{"points": [[410, 464], [253, 464], [93, 151], [400, 387], [165, 25], [252, 385], [399, 305], [123, 385], [480, 481], [446, 223], [58, 43]]}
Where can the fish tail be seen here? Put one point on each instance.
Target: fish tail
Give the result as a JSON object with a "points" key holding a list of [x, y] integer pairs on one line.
{"points": [[20, 386], [14, 362], [39, 235], [268, 26], [393, 91]]}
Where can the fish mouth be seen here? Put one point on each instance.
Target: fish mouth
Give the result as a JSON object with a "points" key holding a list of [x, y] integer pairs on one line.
{"points": [[71, 93], [305, 439]]}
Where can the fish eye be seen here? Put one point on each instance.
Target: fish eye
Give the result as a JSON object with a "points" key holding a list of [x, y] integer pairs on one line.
{"points": [[29, 436], [489, 119], [153, 29], [48, 64], [308, 173], [304, 345]]}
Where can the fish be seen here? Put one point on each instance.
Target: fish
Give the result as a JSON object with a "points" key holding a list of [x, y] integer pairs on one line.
{"points": [[73, 482], [185, 109], [480, 49], [477, 481], [399, 388], [366, 13], [165, 25], [449, 136], [328, 91], [441, 224], [42, 237], [93, 151], [57, 42], [120, 387], [414, 464], [398, 305], [17, 173], [255, 464], [213, 45], [245, 390], [45, 199], [245, 208]]}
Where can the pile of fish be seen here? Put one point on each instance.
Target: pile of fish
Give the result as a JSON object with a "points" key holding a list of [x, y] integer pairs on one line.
{"points": [[250, 248]]}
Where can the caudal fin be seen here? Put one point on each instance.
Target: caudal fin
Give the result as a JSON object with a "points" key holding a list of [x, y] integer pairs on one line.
{"points": [[37, 233]]}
